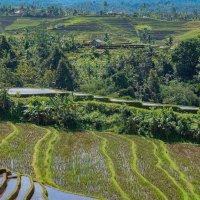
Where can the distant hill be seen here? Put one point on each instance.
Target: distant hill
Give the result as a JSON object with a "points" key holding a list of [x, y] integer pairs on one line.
{"points": [[127, 5], [65, 2]]}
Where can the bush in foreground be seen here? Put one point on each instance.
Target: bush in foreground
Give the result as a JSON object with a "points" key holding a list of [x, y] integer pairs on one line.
{"points": [[64, 112]]}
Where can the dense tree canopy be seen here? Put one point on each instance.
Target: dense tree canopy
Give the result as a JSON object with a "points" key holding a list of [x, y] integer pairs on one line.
{"points": [[49, 60], [186, 56]]}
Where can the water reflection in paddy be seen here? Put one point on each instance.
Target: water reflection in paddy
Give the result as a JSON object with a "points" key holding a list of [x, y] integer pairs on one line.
{"points": [[57, 194]]}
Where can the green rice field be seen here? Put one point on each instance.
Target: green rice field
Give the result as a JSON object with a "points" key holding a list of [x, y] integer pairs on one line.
{"points": [[103, 165], [120, 29]]}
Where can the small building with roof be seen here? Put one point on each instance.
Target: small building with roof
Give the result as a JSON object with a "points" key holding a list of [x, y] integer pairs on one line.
{"points": [[95, 43]]}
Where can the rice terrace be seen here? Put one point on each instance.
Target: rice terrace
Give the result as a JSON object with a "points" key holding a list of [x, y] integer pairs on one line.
{"points": [[99, 100], [88, 163]]}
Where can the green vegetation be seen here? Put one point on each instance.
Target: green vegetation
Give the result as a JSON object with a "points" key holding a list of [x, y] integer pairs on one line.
{"points": [[129, 172], [159, 193], [60, 61], [48, 157], [6, 21], [105, 165], [190, 155], [64, 112], [110, 166], [38, 157], [192, 31], [187, 187], [5, 130], [119, 29], [12, 135], [78, 158], [17, 149], [20, 23], [94, 143], [173, 181]]}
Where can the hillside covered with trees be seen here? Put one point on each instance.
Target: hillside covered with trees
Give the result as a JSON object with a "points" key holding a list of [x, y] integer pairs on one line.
{"points": [[151, 74]]}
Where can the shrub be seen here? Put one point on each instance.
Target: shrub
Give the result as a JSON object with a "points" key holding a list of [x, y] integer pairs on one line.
{"points": [[102, 99], [94, 120], [137, 104], [63, 112], [179, 93], [83, 97], [161, 123]]}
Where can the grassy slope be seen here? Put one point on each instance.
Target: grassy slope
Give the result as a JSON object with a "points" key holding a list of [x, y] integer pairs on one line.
{"points": [[162, 182], [169, 164], [6, 21], [5, 130], [103, 165], [17, 149], [111, 168], [40, 155], [78, 166], [129, 178], [20, 23], [193, 30], [187, 158], [120, 29]]}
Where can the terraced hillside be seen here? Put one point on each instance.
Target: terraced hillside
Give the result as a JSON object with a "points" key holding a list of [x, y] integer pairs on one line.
{"points": [[6, 21], [18, 186], [120, 29], [102, 165]]}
